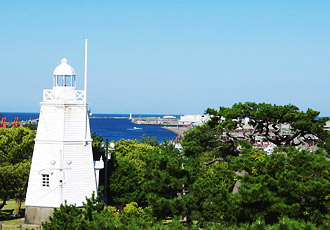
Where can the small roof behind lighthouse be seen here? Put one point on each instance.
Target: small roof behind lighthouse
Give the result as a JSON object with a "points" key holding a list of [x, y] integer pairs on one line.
{"points": [[64, 69]]}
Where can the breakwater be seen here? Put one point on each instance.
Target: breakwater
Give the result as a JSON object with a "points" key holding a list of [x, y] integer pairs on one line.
{"points": [[96, 117], [177, 130], [172, 121]]}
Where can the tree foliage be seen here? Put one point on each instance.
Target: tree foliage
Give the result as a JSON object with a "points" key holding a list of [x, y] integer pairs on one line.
{"points": [[148, 175], [285, 183], [16, 148], [153, 141], [126, 176], [209, 197], [134, 217], [16, 144], [13, 181], [220, 179], [95, 215], [289, 182], [267, 120], [97, 148], [165, 178]]}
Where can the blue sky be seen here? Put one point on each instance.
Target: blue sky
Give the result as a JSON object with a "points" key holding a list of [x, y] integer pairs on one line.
{"points": [[168, 57]]}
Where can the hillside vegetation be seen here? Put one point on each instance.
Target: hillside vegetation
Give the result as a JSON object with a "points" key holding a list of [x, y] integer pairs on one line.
{"points": [[221, 178]]}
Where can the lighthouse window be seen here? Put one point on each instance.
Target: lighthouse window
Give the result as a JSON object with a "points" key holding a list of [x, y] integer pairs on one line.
{"points": [[45, 180], [60, 79], [68, 80]]}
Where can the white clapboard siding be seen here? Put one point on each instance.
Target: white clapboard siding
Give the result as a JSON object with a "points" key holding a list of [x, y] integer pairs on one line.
{"points": [[64, 151]]}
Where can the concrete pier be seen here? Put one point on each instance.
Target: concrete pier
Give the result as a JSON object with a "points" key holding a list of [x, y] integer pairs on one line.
{"points": [[156, 121], [177, 130]]}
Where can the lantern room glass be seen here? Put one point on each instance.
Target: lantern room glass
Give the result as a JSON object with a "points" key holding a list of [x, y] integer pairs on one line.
{"points": [[64, 80]]}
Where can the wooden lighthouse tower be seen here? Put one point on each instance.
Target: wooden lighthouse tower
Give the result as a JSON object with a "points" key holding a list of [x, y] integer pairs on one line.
{"points": [[62, 166]]}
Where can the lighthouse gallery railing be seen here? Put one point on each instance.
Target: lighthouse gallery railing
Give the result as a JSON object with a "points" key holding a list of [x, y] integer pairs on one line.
{"points": [[63, 95]]}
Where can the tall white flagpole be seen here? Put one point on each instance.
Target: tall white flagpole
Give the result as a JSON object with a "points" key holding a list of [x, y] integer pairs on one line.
{"points": [[85, 94]]}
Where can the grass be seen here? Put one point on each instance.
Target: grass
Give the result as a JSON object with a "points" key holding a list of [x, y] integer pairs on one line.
{"points": [[11, 204], [6, 214], [12, 222]]}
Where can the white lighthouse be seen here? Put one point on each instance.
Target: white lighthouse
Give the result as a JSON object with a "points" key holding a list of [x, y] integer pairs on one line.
{"points": [[62, 166]]}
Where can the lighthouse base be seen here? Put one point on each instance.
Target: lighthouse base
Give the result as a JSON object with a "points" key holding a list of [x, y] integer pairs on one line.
{"points": [[37, 215]]}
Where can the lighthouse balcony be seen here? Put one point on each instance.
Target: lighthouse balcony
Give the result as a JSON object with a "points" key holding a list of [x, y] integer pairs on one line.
{"points": [[63, 94]]}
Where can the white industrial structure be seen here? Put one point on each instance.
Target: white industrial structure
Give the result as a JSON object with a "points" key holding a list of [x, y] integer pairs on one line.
{"points": [[62, 168], [195, 120]]}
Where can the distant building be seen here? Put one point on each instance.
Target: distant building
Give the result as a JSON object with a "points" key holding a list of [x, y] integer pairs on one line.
{"points": [[169, 117], [194, 120], [327, 126]]}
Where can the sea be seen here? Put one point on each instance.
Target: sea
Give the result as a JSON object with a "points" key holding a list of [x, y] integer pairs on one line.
{"points": [[112, 129]]}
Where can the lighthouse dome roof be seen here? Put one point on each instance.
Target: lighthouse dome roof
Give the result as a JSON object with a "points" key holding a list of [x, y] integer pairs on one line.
{"points": [[64, 69]]}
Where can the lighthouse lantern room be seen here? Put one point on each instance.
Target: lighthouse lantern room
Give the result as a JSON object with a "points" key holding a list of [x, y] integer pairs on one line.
{"points": [[62, 168]]}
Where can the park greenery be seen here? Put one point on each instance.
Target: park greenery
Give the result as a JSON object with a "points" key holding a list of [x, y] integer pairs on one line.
{"points": [[16, 147], [216, 180]]}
